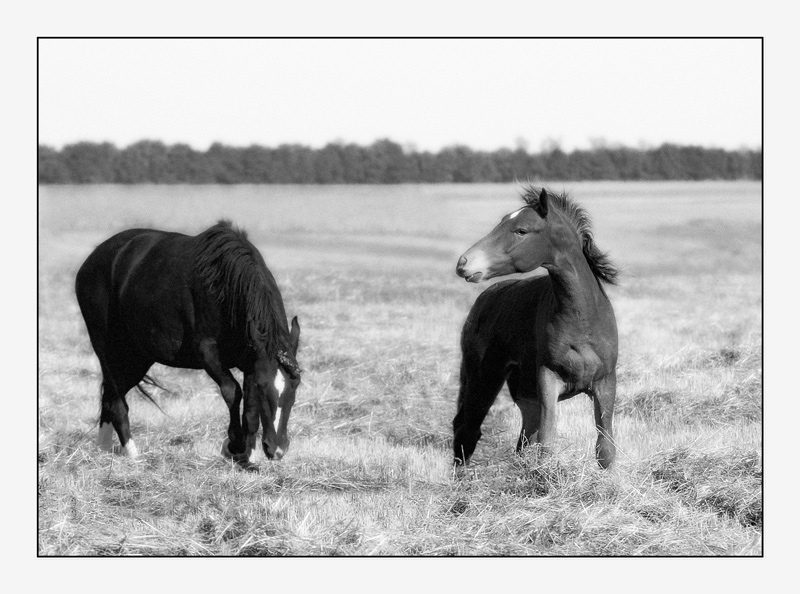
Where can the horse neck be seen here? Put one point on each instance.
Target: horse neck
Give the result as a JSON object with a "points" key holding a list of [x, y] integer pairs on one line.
{"points": [[575, 287]]}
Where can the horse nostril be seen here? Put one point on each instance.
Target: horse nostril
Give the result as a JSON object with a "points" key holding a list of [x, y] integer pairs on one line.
{"points": [[462, 261]]}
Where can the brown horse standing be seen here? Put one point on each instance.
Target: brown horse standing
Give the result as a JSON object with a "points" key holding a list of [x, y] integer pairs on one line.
{"points": [[549, 337]]}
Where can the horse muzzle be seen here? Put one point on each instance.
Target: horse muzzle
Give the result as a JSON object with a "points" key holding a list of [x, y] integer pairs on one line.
{"points": [[467, 269]]}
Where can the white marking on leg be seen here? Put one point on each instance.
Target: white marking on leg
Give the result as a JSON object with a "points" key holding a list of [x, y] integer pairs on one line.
{"points": [[514, 214], [130, 449], [104, 437], [250, 449]]}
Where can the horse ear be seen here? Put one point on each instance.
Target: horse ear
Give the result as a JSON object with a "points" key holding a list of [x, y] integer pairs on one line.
{"points": [[541, 204], [287, 359], [294, 335]]}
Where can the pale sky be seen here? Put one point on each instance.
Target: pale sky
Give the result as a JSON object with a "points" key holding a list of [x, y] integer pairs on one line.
{"points": [[486, 94]]}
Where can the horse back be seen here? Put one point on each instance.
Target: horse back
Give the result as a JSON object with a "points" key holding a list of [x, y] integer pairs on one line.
{"points": [[134, 260], [94, 283]]}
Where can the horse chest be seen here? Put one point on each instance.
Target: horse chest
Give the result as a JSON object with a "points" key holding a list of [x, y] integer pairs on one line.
{"points": [[578, 366]]}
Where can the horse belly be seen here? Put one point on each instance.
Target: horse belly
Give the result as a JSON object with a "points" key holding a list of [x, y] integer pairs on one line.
{"points": [[161, 341]]}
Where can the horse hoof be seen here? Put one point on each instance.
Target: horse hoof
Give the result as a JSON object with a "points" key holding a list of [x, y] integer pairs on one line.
{"points": [[129, 450], [247, 457], [226, 453], [104, 437], [459, 462]]}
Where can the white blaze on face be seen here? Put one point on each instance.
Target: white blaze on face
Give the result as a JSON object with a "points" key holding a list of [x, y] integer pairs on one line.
{"points": [[104, 437], [513, 215], [280, 384]]}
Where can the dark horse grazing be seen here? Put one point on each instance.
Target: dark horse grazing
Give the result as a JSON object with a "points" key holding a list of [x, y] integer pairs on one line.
{"points": [[204, 302], [549, 337]]}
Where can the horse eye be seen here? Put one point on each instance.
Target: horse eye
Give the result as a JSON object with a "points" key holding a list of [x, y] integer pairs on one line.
{"points": [[521, 232]]}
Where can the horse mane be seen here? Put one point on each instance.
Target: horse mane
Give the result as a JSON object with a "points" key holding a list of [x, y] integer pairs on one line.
{"points": [[599, 262], [234, 272]]}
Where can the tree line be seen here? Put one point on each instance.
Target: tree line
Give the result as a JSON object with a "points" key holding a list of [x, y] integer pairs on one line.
{"points": [[382, 162]]}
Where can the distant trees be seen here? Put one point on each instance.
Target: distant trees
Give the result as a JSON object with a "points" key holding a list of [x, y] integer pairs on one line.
{"points": [[52, 168], [145, 162], [85, 162], [383, 162]]}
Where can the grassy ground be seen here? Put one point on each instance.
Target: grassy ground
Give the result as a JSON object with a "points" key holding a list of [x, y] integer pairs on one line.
{"points": [[369, 271]]}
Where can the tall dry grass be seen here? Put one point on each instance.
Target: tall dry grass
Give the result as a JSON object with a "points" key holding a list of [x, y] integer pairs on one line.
{"points": [[369, 272]]}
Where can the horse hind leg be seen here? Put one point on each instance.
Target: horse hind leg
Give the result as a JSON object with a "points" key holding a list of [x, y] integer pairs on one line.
{"points": [[477, 393], [93, 300], [531, 417], [105, 437], [120, 371], [118, 380]]}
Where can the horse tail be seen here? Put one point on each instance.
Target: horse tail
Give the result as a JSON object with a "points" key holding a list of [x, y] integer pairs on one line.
{"points": [[142, 388]]}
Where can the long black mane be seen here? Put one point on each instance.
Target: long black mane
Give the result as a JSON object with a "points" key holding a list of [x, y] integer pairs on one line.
{"points": [[234, 272], [599, 262]]}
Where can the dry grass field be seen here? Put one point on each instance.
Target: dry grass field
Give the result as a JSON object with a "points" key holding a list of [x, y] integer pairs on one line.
{"points": [[370, 273]]}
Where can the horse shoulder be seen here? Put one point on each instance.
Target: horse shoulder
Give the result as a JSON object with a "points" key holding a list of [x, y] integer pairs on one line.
{"points": [[578, 361]]}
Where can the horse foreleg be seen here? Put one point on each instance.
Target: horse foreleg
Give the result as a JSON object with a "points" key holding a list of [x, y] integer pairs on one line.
{"points": [[251, 415], [549, 387], [233, 446], [603, 395], [523, 391]]}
